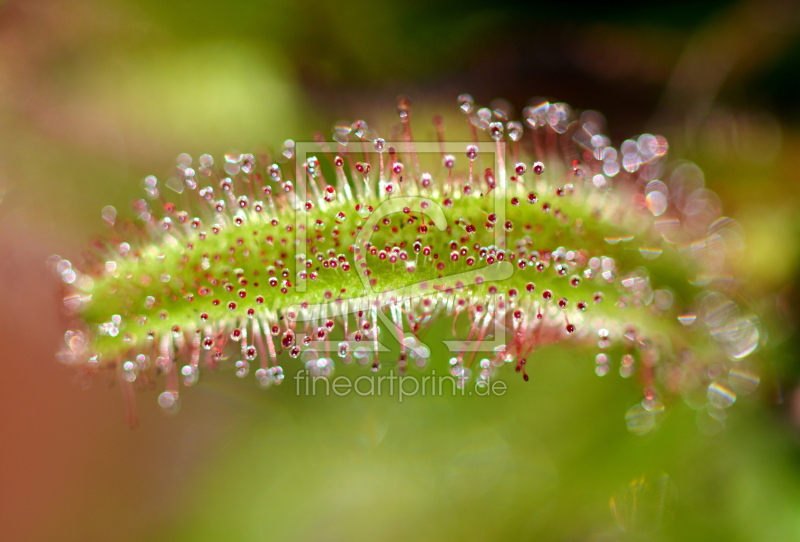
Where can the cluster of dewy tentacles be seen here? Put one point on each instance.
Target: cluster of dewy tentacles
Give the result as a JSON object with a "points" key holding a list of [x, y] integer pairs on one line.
{"points": [[521, 234]]}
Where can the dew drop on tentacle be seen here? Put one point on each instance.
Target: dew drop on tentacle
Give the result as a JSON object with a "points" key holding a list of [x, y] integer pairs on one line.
{"points": [[466, 103], [496, 130], [169, 401]]}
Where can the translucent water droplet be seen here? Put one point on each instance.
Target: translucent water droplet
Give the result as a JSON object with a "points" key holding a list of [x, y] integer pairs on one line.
{"points": [[233, 157], [514, 130], [190, 375], [68, 276], [536, 116], [274, 172], [242, 368], [742, 380], [687, 319], [496, 130], [656, 203], [169, 402], [359, 128], [320, 367], [421, 353], [720, 394], [129, 368], [277, 374], [466, 102], [360, 353], [742, 337], [558, 115], [248, 163], [150, 186], [288, 149], [109, 215], [639, 420], [264, 377]]}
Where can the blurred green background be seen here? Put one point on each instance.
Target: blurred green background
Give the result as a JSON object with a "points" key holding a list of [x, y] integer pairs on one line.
{"points": [[95, 94]]}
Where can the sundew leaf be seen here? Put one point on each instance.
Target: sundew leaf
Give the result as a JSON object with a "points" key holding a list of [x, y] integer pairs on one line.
{"points": [[526, 234]]}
